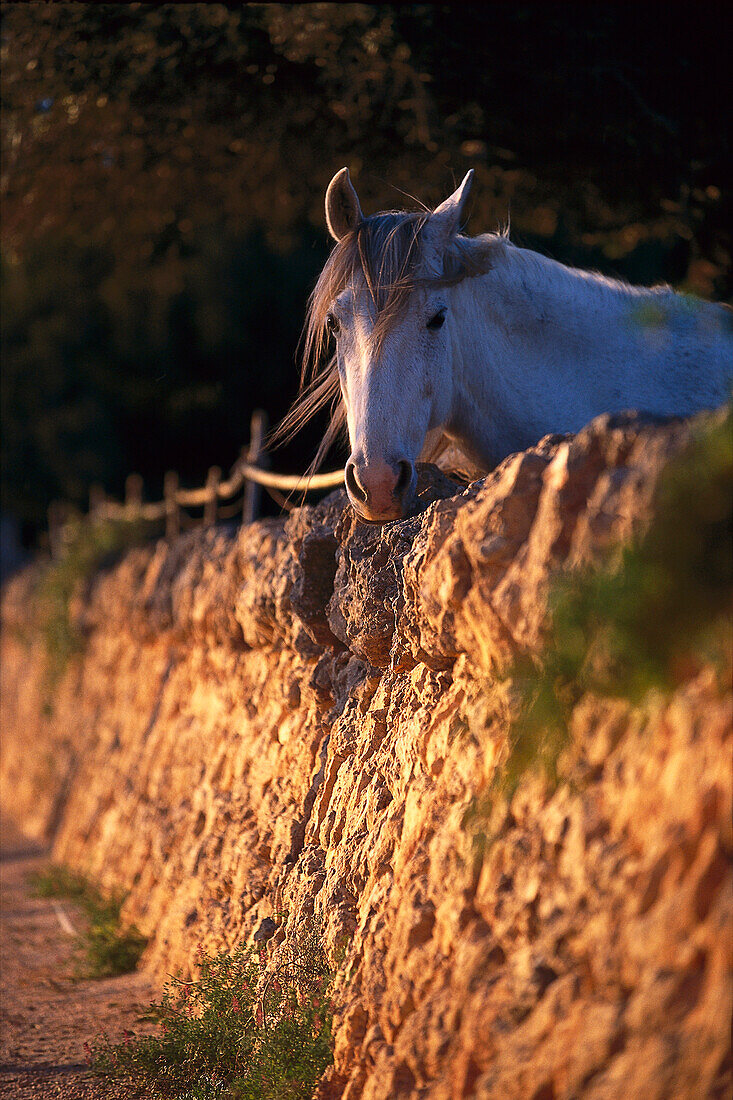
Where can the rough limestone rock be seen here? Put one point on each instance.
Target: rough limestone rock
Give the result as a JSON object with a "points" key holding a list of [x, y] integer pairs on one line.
{"points": [[292, 724]]}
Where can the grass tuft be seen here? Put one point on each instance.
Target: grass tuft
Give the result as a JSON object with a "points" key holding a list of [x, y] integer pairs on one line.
{"points": [[232, 1032], [108, 948]]}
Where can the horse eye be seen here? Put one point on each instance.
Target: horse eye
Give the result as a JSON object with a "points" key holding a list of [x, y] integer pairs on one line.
{"points": [[436, 321], [332, 325]]}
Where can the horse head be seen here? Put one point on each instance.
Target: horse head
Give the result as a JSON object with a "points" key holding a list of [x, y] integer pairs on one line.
{"points": [[390, 319]]}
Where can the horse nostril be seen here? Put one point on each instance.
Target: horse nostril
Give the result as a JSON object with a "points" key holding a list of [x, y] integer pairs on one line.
{"points": [[404, 478], [352, 483]]}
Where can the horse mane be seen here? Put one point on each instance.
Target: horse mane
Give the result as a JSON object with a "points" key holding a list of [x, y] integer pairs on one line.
{"points": [[383, 253]]}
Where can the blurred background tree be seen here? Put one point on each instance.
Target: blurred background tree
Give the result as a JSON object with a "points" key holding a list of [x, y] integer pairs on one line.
{"points": [[163, 175]]}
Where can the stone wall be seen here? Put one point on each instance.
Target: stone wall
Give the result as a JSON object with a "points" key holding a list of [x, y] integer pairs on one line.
{"points": [[296, 720]]}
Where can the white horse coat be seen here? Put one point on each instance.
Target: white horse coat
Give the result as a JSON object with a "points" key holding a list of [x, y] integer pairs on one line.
{"points": [[492, 345]]}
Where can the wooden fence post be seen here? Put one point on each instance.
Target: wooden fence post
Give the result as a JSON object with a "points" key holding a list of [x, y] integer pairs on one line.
{"points": [[133, 492], [255, 456], [172, 516], [56, 518], [212, 488], [97, 498]]}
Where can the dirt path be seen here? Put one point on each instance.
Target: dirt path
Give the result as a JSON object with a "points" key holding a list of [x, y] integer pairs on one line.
{"points": [[45, 1016]]}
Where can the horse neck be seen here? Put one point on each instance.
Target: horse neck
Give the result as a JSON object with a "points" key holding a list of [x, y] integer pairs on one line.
{"points": [[533, 341], [524, 292]]}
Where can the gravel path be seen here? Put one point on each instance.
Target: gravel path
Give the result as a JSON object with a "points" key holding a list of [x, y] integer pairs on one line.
{"points": [[45, 1015]]}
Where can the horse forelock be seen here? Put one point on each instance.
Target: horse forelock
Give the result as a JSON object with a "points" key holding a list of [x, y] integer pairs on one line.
{"points": [[382, 257]]}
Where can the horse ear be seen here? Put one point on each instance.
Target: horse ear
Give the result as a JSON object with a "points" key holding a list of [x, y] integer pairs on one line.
{"points": [[445, 221], [449, 215], [343, 212]]}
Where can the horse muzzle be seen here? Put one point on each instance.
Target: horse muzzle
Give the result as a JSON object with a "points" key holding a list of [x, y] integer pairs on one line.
{"points": [[380, 491]]}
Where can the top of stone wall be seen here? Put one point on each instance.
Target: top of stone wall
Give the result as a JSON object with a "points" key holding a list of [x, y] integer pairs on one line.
{"points": [[465, 574]]}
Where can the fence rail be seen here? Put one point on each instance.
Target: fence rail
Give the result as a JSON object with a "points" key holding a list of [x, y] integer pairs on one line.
{"points": [[248, 474]]}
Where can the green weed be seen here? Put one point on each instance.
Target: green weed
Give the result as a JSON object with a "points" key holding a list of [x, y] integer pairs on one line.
{"points": [[642, 625], [108, 948], [232, 1032], [90, 546]]}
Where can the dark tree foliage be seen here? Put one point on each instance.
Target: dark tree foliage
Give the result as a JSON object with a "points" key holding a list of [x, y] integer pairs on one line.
{"points": [[163, 175]]}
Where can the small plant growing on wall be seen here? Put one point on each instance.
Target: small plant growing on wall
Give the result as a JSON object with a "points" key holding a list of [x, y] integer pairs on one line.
{"points": [[635, 626], [90, 546]]}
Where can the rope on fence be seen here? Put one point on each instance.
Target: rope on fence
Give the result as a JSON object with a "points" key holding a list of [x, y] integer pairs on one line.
{"points": [[292, 483], [247, 474]]}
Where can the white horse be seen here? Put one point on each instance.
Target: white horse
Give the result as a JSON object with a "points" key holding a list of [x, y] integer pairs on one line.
{"points": [[442, 335]]}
